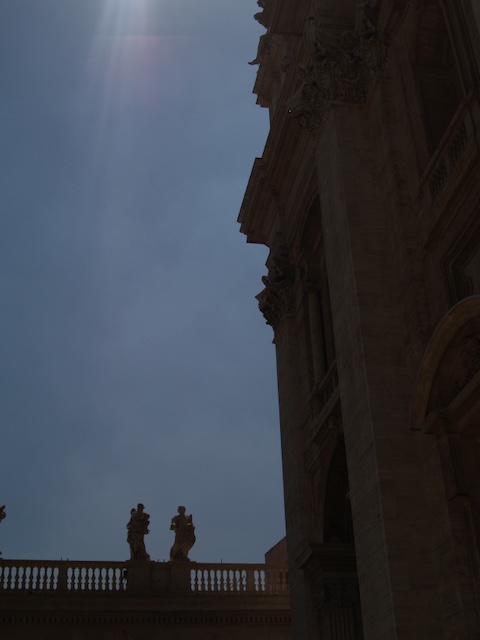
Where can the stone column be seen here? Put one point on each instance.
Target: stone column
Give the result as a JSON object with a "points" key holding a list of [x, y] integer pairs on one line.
{"points": [[386, 486], [277, 303]]}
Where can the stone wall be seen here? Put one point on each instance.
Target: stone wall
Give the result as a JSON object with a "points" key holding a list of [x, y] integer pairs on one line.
{"points": [[367, 195]]}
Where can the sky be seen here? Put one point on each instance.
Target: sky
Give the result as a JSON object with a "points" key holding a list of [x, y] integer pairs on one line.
{"points": [[135, 364]]}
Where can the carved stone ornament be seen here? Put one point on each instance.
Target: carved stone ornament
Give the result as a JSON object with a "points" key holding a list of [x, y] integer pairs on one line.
{"points": [[277, 299], [342, 72], [260, 17]]}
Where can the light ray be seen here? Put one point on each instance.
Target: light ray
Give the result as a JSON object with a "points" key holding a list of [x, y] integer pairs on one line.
{"points": [[122, 52]]}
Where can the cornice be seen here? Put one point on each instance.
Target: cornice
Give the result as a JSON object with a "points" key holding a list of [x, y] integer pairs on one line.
{"points": [[271, 176], [283, 16]]}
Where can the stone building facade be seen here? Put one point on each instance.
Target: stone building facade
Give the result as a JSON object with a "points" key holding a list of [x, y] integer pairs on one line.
{"points": [[368, 198]]}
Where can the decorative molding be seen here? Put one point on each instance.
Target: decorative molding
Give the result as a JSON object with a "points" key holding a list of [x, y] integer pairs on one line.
{"points": [[140, 618]]}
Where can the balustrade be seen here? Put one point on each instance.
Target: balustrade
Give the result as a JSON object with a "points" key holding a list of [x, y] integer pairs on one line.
{"points": [[63, 575], [66, 576], [235, 578]]}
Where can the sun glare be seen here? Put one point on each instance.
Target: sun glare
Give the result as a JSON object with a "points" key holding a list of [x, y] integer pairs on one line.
{"points": [[124, 16], [120, 65]]}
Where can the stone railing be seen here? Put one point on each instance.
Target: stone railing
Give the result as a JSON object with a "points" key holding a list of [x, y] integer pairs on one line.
{"points": [[63, 575], [69, 576], [239, 578]]}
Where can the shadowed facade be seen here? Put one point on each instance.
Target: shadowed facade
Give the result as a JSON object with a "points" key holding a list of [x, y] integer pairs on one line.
{"points": [[368, 197]]}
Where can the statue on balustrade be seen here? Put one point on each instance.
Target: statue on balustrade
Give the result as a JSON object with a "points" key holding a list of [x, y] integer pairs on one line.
{"points": [[137, 528], [184, 530]]}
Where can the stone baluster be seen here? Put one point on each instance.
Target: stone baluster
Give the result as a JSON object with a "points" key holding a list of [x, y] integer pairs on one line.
{"points": [[90, 579], [104, 583]]}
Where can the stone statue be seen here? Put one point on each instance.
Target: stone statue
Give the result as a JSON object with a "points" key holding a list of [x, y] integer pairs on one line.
{"points": [[184, 530], [137, 528]]}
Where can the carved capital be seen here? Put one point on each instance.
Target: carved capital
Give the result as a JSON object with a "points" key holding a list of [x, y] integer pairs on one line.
{"points": [[341, 72], [277, 299]]}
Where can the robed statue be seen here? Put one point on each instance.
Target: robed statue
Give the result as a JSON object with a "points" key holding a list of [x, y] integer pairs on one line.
{"points": [[137, 528], [184, 530]]}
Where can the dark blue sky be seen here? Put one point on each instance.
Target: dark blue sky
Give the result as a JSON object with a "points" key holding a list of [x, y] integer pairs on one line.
{"points": [[135, 363]]}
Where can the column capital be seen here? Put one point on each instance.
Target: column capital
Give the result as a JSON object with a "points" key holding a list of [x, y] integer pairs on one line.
{"points": [[342, 70], [277, 298]]}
